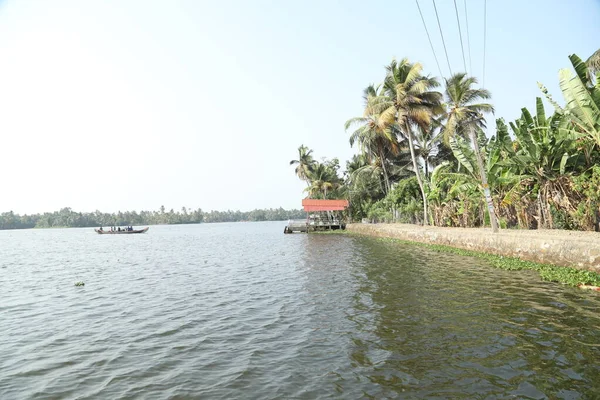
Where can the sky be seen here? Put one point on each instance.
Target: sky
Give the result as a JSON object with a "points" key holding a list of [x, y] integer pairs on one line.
{"points": [[130, 105]]}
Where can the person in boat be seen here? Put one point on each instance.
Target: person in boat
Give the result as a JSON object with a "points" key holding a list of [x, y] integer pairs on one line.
{"points": [[101, 230]]}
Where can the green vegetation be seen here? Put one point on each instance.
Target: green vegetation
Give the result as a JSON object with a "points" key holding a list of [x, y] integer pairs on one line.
{"points": [[322, 179], [69, 218], [548, 272], [423, 155], [80, 283], [552, 273]]}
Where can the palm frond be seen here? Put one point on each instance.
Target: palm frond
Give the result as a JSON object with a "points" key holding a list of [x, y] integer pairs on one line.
{"points": [[355, 121]]}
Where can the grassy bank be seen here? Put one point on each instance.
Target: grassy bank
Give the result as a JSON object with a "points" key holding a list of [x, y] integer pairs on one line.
{"points": [[548, 272]]}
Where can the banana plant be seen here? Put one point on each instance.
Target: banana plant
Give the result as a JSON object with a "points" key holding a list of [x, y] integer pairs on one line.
{"points": [[545, 148], [582, 98], [545, 144], [459, 184]]}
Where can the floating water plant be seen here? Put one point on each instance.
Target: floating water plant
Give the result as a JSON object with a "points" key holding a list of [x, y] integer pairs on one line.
{"points": [[80, 283], [548, 272]]}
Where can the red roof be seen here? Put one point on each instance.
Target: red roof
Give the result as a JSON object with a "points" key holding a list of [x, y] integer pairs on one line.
{"points": [[324, 205]]}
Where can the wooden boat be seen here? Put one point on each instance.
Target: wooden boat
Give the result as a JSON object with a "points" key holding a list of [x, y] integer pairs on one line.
{"points": [[109, 232]]}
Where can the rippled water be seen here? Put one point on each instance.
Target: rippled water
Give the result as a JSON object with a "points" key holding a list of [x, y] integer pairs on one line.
{"points": [[243, 311]]}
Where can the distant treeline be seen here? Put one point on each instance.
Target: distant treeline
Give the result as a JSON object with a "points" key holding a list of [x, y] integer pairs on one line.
{"points": [[66, 217]]}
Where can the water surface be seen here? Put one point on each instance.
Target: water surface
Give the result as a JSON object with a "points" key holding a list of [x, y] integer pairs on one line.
{"points": [[225, 311]]}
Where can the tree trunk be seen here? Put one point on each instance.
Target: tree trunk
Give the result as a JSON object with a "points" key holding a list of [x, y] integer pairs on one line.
{"points": [[386, 178], [486, 187], [417, 172], [309, 194], [482, 213], [548, 211], [597, 217], [540, 219], [541, 214]]}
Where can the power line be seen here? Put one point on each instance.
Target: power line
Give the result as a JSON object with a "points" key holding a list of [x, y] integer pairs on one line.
{"points": [[460, 36], [484, 38], [429, 37], [468, 37], [441, 34]]}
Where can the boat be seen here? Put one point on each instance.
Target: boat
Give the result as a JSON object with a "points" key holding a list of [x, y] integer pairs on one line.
{"points": [[123, 232]]}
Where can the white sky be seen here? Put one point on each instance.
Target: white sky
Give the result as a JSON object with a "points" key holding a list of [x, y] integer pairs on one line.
{"points": [[122, 105]]}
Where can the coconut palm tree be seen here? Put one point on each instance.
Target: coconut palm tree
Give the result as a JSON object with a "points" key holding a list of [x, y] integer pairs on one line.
{"points": [[465, 118], [364, 176], [364, 184], [429, 147], [593, 65], [304, 163], [374, 135], [323, 177], [408, 101]]}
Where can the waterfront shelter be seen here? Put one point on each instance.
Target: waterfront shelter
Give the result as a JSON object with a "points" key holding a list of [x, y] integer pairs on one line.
{"points": [[317, 205], [321, 215]]}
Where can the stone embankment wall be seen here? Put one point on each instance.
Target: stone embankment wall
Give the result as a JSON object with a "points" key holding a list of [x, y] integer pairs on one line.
{"points": [[565, 248]]}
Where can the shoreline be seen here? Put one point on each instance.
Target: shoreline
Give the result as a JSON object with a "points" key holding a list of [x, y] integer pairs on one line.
{"points": [[567, 257], [97, 226]]}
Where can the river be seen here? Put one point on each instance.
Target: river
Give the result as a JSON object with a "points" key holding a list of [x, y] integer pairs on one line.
{"points": [[224, 311]]}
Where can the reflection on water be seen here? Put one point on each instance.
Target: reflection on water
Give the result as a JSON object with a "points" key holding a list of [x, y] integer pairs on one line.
{"points": [[243, 311]]}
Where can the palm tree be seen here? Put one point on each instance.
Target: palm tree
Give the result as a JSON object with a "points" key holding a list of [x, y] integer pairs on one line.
{"points": [[374, 135], [593, 65], [429, 147], [409, 101], [322, 178], [364, 176], [465, 118], [304, 163], [363, 181]]}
